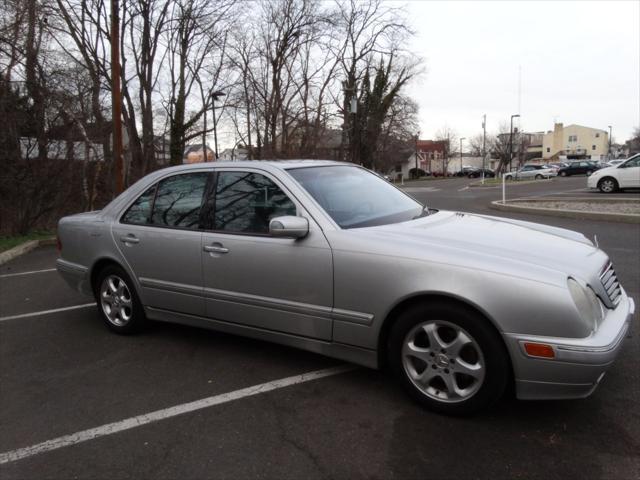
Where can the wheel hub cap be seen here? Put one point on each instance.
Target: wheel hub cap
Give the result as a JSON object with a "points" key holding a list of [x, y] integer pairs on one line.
{"points": [[443, 361]]}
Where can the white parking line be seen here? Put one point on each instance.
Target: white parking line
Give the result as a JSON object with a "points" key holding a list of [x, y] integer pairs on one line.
{"points": [[165, 413], [46, 312], [27, 273]]}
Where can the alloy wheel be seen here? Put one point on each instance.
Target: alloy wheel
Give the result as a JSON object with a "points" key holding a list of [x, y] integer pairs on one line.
{"points": [[607, 185], [116, 300], [443, 361]]}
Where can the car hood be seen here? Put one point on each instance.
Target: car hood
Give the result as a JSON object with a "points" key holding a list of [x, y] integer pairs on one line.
{"points": [[602, 170], [493, 241]]}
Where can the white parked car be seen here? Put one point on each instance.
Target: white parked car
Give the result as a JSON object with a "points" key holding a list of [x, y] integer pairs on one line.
{"points": [[537, 172], [611, 179]]}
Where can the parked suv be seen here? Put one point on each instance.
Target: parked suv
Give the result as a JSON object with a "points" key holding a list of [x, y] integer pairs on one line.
{"points": [[618, 177], [579, 168]]}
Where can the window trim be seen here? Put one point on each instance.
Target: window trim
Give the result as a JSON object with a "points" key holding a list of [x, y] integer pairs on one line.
{"points": [[217, 171], [155, 185]]}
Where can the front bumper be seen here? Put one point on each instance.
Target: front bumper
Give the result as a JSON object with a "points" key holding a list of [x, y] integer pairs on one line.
{"points": [[592, 181], [579, 364]]}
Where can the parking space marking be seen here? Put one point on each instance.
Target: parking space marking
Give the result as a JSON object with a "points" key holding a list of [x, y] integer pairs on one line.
{"points": [[165, 413], [46, 312], [27, 273]]}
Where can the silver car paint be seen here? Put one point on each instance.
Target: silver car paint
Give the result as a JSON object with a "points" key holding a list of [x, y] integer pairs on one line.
{"points": [[282, 289]]}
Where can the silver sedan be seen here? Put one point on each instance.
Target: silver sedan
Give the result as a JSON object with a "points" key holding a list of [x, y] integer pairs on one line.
{"points": [[329, 257]]}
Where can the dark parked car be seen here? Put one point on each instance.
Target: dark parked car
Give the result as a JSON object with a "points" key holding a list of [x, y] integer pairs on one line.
{"points": [[478, 173], [466, 171], [579, 168]]}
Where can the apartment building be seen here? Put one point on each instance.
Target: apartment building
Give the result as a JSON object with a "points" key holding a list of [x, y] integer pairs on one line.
{"points": [[575, 142]]}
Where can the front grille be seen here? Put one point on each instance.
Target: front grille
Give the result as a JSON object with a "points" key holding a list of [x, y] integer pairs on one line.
{"points": [[610, 283]]}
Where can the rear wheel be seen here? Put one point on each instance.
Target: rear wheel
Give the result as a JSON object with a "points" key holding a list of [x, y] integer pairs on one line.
{"points": [[563, 174], [118, 301], [608, 185], [539, 177], [448, 358], [589, 172]]}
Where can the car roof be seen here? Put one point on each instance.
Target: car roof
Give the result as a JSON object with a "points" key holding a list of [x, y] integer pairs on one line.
{"points": [[276, 164]]}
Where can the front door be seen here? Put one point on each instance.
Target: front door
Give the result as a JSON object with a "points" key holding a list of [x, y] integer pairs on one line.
{"points": [[253, 279], [630, 173], [160, 237]]}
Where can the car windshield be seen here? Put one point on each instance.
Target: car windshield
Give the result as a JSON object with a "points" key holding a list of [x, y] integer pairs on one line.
{"points": [[355, 197]]}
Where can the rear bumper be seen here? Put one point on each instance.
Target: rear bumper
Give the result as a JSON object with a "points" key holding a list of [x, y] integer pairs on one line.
{"points": [[579, 364], [77, 276]]}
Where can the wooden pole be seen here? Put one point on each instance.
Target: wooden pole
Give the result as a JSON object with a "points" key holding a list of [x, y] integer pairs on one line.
{"points": [[116, 96]]}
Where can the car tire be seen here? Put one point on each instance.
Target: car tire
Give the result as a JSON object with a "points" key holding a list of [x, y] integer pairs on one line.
{"points": [[563, 174], [589, 172], [608, 185], [539, 177], [118, 301], [448, 358]]}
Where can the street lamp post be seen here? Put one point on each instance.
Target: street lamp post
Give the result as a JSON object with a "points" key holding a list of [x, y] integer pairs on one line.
{"points": [[461, 139], [609, 152], [511, 139], [214, 96]]}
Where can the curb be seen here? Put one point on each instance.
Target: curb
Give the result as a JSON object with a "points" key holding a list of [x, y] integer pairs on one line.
{"points": [[608, 217], [510, 183], [25, 247]]}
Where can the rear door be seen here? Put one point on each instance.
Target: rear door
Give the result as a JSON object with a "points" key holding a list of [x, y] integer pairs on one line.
{"points": [[160, 237], [253, 279]]}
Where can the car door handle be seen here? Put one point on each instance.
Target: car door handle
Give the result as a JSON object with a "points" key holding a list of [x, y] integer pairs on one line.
{"points": [[129, 239], [215, 249]]}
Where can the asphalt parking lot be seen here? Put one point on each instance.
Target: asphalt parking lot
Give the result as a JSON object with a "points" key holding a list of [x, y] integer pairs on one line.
{"points": [[62, 373]]}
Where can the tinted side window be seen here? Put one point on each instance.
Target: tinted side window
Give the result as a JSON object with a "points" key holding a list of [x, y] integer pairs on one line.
{"points": [[140, 211], [245, 202], [178, 200]]}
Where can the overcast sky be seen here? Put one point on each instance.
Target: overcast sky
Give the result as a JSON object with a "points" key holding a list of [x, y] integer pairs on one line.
{"points": [[580, 63]]}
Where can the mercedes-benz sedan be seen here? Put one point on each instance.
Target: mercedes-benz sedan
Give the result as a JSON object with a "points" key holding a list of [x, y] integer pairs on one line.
{"points": [[331, 258]]}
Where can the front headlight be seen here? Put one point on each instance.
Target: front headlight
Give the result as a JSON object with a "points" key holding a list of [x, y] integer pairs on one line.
{"points": [[587, 303]]}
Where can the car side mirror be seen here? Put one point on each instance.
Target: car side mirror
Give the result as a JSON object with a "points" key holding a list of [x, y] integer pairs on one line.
{"points": [[289, 227]]}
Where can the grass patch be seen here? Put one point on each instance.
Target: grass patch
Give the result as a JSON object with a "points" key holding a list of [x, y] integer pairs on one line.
{"points": [[7, 243]]}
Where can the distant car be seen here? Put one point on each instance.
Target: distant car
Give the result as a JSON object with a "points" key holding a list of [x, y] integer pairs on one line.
{"points": [[582, 167], [478, 173], [618, 177], [559, 165], [537, 172], [466, 171]]}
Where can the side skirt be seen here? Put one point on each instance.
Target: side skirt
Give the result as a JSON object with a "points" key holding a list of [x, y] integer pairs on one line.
{"points": [[361, 356]]}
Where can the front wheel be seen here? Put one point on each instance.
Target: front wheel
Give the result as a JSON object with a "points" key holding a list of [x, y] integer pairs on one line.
{"points": [[563, 174], [608, 185], [539, 177], [449, 358], [589, 172], [118, 301]]}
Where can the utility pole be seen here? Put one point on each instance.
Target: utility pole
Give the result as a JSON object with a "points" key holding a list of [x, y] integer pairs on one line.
{"points": [[484, 140], [116, 97], [511, 139], [416, 154], [461, 139]]}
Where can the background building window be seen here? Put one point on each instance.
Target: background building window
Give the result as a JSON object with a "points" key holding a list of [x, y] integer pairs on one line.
{"points": [[593, 147]]}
